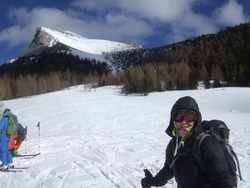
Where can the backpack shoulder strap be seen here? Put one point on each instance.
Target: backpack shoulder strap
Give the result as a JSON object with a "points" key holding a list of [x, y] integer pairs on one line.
{"points": [[238, 165], [197, 152]]}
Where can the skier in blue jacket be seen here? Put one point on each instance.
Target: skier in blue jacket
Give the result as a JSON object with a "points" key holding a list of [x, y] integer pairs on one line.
{"points": [[5, 154]]}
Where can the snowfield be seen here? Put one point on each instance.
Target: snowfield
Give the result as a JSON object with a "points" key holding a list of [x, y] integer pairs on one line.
{"points": [[101, 138]]}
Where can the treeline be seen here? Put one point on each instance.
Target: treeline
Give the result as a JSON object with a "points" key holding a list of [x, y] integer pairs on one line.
{"points": [[161, 77], [55, 61], [32, 84], [47, 72], [226, 53], [223, 57], [139, 79], [157, 77]]}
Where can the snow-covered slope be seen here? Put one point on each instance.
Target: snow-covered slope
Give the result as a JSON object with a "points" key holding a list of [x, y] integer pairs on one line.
{"points": [[46, 39], [80, 43], [97, 139]]}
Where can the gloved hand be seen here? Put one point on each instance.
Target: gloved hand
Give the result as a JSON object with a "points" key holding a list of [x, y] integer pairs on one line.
{"points": [[148, 180]]}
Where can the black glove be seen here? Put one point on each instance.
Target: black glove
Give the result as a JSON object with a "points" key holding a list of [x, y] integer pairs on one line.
{"points": [[148, 180]]}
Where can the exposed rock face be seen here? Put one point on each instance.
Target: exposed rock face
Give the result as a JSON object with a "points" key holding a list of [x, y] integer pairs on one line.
{"points": [[42, 38], [42, 42]]}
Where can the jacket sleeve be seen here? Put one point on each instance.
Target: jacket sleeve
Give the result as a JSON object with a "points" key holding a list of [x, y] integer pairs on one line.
{"points": [[214, 159], [3, 123], [166, 173]]}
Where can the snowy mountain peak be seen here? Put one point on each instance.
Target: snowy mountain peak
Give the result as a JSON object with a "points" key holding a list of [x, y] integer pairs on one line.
{"points": [[46, 39]]}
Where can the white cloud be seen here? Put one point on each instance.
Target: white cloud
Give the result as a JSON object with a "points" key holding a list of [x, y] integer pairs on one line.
{"points": [[189, 26], [178, 14], [231, 13], [13, 36], [112, 27], [123, 20], [163, 10], [28, 21]]}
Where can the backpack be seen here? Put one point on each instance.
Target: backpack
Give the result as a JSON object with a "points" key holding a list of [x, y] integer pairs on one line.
{"points": [[218, 130], [13, 125], [22, 132]]}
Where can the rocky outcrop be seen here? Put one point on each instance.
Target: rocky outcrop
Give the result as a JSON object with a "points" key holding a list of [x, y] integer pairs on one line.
{"points": [[43, 42]]}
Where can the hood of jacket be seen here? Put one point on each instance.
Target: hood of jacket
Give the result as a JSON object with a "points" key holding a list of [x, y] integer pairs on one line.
{"points": [[7, 114], [185, 103]]}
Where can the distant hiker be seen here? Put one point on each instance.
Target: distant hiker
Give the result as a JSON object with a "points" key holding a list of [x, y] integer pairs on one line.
{"points": [[184, 127], [17, 140], [5, 154]]}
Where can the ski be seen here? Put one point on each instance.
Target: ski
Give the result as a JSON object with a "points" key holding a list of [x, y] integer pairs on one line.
{"points": [[27, 155], [19, 167], [10, 170]]}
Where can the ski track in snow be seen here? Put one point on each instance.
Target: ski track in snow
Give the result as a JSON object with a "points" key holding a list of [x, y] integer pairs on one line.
{"points": [[104, 139]]}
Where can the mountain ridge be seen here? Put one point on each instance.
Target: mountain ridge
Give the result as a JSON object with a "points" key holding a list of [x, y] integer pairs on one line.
{"points": [[46, 39], [222, 57]]}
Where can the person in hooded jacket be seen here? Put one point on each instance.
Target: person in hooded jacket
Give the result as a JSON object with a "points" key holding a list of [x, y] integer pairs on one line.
{"points": [[5, 154], [184, 126]]}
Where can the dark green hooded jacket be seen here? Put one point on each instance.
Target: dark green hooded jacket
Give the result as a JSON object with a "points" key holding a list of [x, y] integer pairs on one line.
{"points": [[185, 169]]}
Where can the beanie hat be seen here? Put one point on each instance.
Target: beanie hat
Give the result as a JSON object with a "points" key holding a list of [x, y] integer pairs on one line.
{"points": [[6, 110]]}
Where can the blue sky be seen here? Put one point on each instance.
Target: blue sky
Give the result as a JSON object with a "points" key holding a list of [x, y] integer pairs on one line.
{"points": [[151, 23]]}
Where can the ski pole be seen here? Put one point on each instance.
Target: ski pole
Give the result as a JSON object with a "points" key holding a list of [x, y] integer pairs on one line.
{"points": [[38, 126], [26, 139]]}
